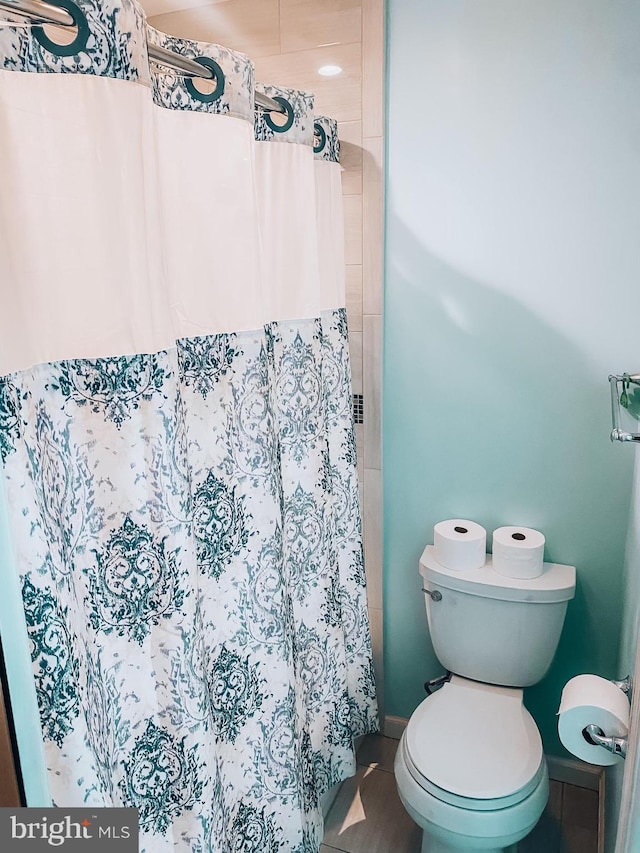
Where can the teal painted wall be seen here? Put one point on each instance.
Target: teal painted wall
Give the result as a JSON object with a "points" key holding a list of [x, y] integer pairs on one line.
{"points": [[512, 291]]}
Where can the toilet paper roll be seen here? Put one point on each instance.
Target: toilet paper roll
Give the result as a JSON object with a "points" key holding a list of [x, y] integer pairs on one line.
{"points": [[587, 700], [518, 552], [460, 544]]}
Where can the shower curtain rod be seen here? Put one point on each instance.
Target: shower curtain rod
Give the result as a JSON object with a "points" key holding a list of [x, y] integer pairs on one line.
{"points": [[46, 13]]}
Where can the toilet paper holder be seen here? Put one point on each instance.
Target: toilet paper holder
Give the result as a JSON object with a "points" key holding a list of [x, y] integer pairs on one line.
{"points": [[619, 397], [594, 734], [625, 684], [617, 745]]}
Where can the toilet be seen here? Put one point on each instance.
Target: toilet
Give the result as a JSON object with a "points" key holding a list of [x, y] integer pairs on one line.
{"points": [[469, 768]]}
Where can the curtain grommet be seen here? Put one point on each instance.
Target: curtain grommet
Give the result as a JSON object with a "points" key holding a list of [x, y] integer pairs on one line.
{"points": [[82, 37], [321, 137], [281, 128], [218, 76]]}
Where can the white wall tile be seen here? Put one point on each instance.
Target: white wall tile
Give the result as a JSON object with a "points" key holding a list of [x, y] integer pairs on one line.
{"points": [[373, 67], [354, 297], [377, 642], [350, 135], [246, 25], [355, 354], [372, 389], [352, 229], [360, 457], [307, 23], [373, 535], [339, 97], [372, 224]]}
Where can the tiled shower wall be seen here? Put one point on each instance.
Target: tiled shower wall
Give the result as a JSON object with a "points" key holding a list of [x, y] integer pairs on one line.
{"points": [[288, 41]]}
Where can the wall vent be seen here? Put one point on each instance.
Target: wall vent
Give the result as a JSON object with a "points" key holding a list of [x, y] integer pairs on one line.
{"points": [[358, 408]]}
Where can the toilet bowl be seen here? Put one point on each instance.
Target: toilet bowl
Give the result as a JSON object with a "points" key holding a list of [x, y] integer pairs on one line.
{"points": [[470, 769]]}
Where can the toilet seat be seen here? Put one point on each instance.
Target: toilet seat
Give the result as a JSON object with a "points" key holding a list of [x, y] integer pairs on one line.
{"points": [[468, 829], [474, 746], [474, 804]]}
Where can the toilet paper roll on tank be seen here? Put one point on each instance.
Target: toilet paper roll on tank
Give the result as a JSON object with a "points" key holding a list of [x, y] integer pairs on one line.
{"points": [[460, 544], [592, 700], [518, 552]]}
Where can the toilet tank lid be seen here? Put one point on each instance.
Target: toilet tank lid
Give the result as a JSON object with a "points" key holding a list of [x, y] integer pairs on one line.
{"points": [[556, 583]]}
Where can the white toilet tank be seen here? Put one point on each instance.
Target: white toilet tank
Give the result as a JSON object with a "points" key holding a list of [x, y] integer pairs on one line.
{"points": [[492, 628]]}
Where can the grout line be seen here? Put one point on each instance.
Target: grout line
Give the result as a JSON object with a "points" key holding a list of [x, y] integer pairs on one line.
{"points": [[305, 50], [601, 812], [279, 28], [374, 766]]}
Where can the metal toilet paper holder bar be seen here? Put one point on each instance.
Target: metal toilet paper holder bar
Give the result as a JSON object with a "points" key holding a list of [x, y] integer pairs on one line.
{"points": [[619, 385], [595, 735], [625, 685], [616, 745]]}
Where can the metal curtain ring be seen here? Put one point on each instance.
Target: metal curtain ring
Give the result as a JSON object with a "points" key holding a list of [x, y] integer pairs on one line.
{"points": [[80, 41], [321, 136], [288, 109], [218, 76]]}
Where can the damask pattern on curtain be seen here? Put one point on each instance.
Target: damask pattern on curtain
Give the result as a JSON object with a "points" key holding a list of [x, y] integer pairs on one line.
{"points": [[177, 439]]}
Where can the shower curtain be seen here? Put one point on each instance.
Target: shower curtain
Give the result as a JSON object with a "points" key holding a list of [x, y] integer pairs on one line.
{"points": [[176, 436]]}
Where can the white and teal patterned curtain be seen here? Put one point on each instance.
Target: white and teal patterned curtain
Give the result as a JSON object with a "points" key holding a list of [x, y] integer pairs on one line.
{"points": [[176, 436]]}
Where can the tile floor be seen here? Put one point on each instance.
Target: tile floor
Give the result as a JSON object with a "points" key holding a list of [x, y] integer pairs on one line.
{"points": [[367, 815]]}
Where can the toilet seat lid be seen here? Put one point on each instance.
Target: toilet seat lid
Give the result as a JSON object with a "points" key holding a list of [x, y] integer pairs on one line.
{"points": [[474, 740]]}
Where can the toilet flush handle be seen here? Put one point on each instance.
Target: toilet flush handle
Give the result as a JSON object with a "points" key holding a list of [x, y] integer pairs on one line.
{"points": [[435, 683], [434, 594]]}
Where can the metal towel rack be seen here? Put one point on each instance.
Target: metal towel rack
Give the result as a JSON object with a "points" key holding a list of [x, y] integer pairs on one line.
{"points": [[619, 398]]}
